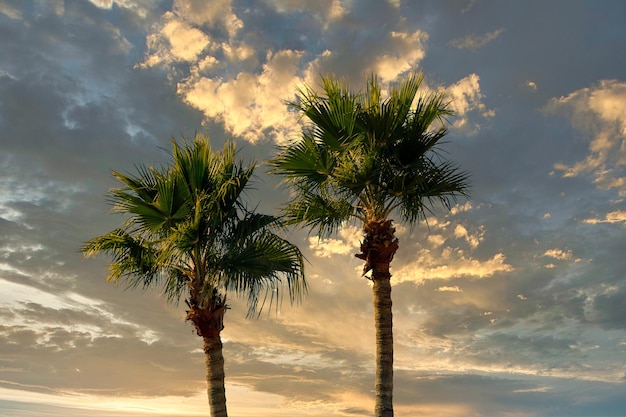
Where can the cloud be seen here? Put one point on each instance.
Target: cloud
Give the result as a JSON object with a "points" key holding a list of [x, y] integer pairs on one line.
{"points": [[454, 288], [348, 243], [466, 98], [216, 12], [221, 66], [600, 113], [10, 11], [558, 254], [177, 40], [251, 105], [474, 42], [474, 240], [450, 264], [324, 11], [408, 51], [618, 216]]}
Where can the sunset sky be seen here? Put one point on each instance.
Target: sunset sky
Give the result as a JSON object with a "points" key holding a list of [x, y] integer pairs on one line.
{"points": [[511, 304]]}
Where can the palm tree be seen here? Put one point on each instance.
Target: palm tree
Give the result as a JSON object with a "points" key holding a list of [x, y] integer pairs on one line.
{"points": [[190, 233], [361, 158]]}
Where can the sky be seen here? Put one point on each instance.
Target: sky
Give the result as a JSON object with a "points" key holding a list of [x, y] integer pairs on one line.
{"points": [[511, 304]]}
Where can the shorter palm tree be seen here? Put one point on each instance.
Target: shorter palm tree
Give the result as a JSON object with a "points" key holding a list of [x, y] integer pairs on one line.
{"points": [[190, 233]]}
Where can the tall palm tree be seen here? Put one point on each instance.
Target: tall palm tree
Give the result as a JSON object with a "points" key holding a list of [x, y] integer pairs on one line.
{"points": [[361, 158], [189, 232]]}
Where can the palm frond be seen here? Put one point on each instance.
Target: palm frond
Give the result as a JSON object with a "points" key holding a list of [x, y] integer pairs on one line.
{"points": [[319, 212], [189, 227], [132, 258], [304, 160], [257, 268]]}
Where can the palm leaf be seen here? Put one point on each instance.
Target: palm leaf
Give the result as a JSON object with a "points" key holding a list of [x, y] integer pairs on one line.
{"points": [[189, 224]]}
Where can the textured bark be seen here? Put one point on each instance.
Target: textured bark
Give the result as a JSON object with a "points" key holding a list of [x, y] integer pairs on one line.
{"points": [[209, 323], [215, 375], [383, 321], [377, 250]]}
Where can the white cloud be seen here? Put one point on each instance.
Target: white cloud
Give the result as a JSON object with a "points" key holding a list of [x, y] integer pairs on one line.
{"points": [[10, 11], [408, 51], [251, 105], [460, 232], [18, 297], [449, 289], [348, 242], [238, 53], [186, 42], [201, 12], [474, 42], [618, 216], [141, 7], [177, 40], [465, 97], [558, 254], [450, 264], [600, 112], [436, 240], [324, 11], [397, 53], [460, 208]]}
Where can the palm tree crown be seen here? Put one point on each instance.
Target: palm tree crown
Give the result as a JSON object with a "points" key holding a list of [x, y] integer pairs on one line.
{"points": [[189, 231], [362, 157]]}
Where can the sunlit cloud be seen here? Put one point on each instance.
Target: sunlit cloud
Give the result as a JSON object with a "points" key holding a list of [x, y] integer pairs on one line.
{"points": [[474, 42], [325, 11], [177, 40], [617, 216], [558, 254], [465, 98], [409, 51], [445, 288], [251, 105], [141, 7], [249, 96], [600, 112], [472, 239], [450, 264], [460, 208], [348, 242], [9, 11], [216, 12]]}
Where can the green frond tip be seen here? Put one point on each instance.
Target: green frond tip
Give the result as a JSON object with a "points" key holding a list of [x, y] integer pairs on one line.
{"points": [[187, 226]]}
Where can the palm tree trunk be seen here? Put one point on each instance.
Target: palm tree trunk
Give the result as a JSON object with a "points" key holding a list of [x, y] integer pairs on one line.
{"points": [[215, 375], [383, 322]]}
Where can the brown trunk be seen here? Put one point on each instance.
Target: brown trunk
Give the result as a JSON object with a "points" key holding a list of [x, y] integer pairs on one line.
{"points": [[377, 250], [215, 375], [209, 322], [383, 322]]}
